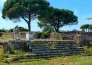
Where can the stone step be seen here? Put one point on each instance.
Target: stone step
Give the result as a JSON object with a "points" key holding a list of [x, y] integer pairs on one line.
{"points": [[50, 42], [46, 55], [36, 44], [76, 48], [55, 51], [50, 49], [44, 49]]}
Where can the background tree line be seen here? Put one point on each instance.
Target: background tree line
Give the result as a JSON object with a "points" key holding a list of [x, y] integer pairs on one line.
{"points": [[11, 30], [86, 27]]}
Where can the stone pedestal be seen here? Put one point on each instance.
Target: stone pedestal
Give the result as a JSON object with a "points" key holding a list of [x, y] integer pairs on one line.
{"points": [[29, 36]]}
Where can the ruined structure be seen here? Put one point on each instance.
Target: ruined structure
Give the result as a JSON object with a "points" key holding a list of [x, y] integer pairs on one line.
{"points": [[84, 38], [81, 38], [47, 48]]}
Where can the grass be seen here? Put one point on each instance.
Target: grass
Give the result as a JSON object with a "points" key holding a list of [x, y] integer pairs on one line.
{"points": [[84, 59], [1, 52], [6, 37], [65, 60]]}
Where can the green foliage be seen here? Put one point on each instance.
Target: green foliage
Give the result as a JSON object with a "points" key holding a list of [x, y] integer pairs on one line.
{"points": [[27, 10], [90, 26], [39, 34], [3, 30], [84, 27], [57, 18], [62, 31], [46, 34], [23, 29], [48, 28], [6, 61], [11, 50], [88, 51], [10, 30]]}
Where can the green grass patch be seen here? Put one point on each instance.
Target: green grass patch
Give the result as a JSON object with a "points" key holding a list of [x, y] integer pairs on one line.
{"points": [[6, 37], [65, 60], [84, 60], [87, 50], [1, 52]]}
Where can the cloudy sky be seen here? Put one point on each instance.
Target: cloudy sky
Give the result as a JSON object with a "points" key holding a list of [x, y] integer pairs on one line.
{"points": [[81, 8]]}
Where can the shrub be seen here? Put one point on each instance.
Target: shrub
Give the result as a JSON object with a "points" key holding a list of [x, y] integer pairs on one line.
{"points": [[88, 50], [11, 49], [7, 61], [39, 34]]}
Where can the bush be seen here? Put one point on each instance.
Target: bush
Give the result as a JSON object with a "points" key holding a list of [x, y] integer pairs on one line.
{"points": [[39, 34], [7, 60], [2, 30], [45, 34], [88, 50], [11, 49]]}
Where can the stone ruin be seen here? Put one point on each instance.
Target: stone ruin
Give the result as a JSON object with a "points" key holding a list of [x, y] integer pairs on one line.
{"points": [[81, 38], [62, 36], [47, 48], [84, 38], [56, 36], [28, 35], [50, 48], [31, 35]]}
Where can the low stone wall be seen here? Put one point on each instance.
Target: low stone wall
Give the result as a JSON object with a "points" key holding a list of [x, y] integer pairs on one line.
{"points": [[19, 44]]}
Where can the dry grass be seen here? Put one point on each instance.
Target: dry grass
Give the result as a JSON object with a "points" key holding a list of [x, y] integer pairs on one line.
{"points": [[9, 36], [6, 37]]}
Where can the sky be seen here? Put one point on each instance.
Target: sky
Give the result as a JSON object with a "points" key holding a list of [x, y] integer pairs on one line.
{"points": [[81, 8]]}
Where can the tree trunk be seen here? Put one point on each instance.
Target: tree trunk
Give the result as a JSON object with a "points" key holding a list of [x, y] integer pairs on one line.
{"points": [[29, 26], [57, 30], [29, 22]]}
